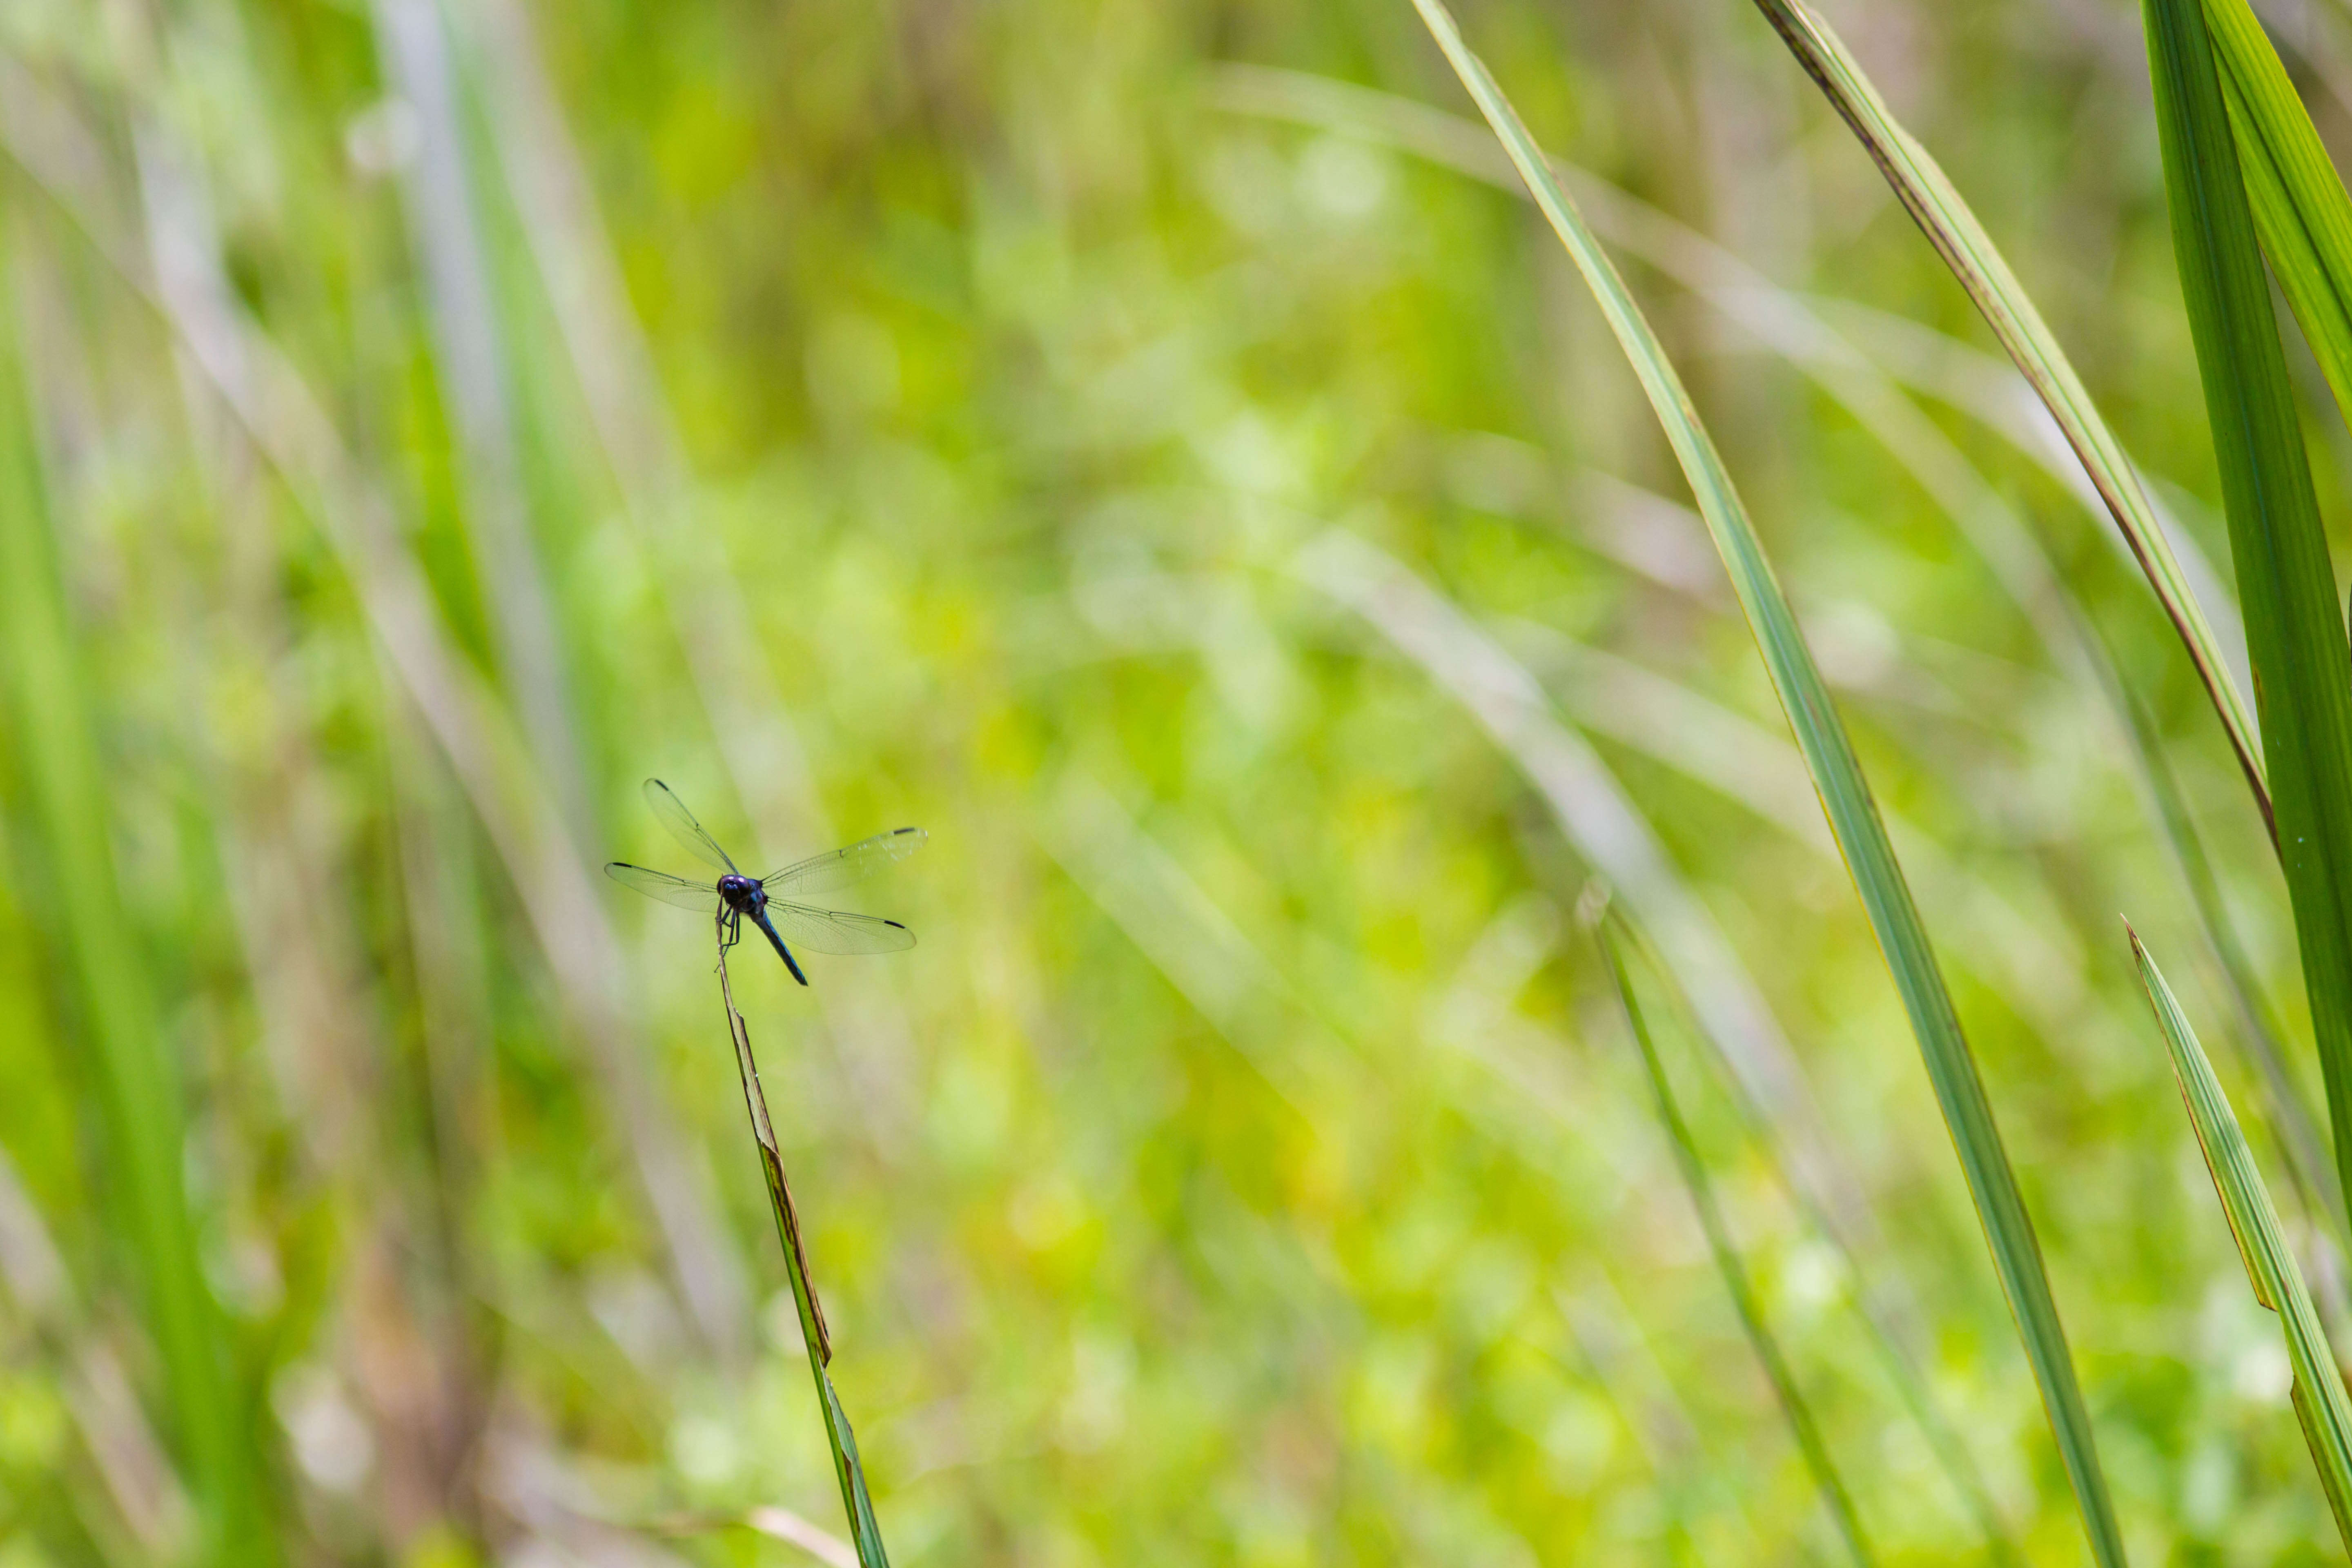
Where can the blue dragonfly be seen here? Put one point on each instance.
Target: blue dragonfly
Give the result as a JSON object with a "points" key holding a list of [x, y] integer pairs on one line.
{"points": [[735, 897]]}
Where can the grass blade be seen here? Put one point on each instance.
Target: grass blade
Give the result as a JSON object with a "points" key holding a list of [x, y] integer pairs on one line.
{"points": [[1959, 1466], [1826, 1479], [865, 1532], [475, 375], [138, 1078], [139, 1481], [2301, 213], [1845, 795], [2299, 1133], [552, 208], [2294, 633], [1861, 357], [2320, 1401], [273, 414], [1935, 204], [1777, 319], [1600, 819]]}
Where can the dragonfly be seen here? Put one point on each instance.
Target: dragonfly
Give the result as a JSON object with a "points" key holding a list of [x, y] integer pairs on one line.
{"points": [[735, 898]]}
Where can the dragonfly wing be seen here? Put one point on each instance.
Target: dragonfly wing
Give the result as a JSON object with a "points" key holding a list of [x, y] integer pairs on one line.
{"points": [[683, 827], [836, 932], [669, 890], [839, 868]]}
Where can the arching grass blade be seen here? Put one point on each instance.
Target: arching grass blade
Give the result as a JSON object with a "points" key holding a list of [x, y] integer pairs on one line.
{"points": [[1845, 795], [1935, 204], [2300, 1134]]}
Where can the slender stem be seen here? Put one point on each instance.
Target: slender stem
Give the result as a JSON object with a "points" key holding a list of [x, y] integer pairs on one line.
{"points": [[772, 1162], [1720, 1241], [856, 1499]]}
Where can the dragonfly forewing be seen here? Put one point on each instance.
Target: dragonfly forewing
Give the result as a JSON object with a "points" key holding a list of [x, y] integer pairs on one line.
{"points": [[669, 890], [839, 868], [683, 827]]}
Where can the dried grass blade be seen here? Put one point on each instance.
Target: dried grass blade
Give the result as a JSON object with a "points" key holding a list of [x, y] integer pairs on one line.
{"points": [[866, 1532]]}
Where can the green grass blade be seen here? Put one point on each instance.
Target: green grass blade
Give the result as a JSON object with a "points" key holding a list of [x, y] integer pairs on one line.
{"points": [[138, 1078], [1853, 815], [2320, 1401], [476, 378], [1865, 358], [866, 1532], [2299, 1132], [2301, 212], [1613, 836], [1959, 1466], [1597, 817], [2294, 632], [597, 350], [1935, 204], [1760, 1338]]}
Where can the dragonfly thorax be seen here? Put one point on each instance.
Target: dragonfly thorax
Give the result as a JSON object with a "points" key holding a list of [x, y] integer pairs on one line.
{"points": [[743, 894]]}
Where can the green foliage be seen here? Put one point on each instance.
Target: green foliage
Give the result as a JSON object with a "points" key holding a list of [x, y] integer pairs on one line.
{"points": [[2295, 631], [1138, 442], [1845, 796], [137, 1079], [1951, 227], [2300, 209]]}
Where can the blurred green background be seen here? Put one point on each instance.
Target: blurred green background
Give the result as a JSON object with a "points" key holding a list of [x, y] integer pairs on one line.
{"points": [[1154, 447]]}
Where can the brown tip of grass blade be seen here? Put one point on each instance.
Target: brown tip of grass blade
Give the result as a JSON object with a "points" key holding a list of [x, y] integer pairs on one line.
{"points": [[783, 1524], [776, 1522]]}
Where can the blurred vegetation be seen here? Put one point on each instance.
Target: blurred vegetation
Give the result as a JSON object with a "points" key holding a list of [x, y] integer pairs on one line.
{"points": [[1156, 448]]}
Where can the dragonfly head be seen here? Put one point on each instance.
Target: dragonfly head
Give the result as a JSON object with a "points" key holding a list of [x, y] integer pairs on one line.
{"points": [[743, 893]]}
